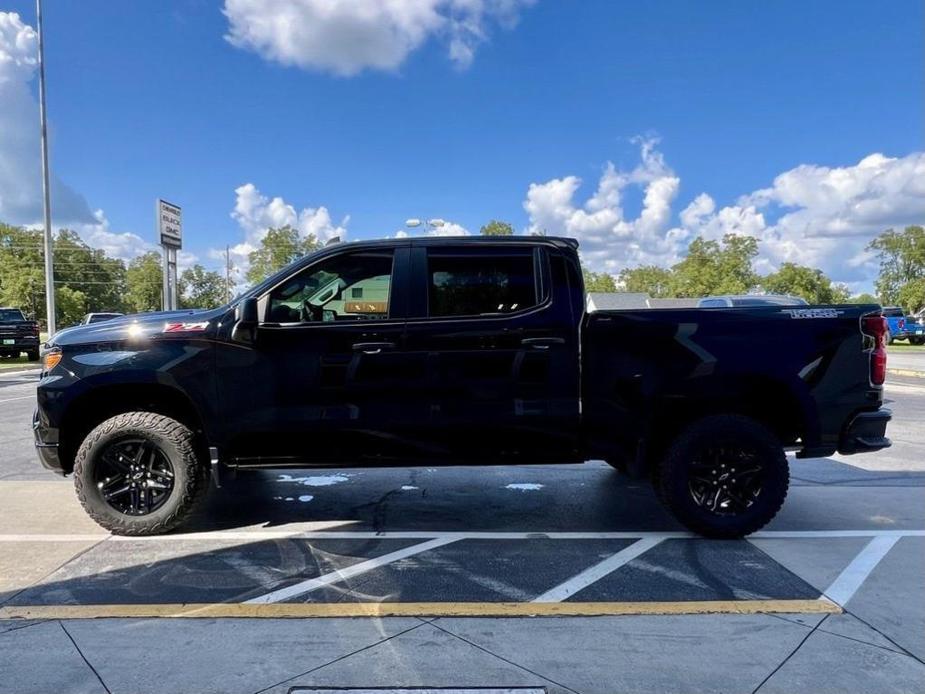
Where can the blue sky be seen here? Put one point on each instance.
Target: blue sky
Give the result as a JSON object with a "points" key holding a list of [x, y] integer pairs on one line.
{"points": [[151, 99]]}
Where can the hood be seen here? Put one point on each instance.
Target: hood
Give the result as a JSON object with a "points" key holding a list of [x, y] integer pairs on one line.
{"points": [[138, 326]]}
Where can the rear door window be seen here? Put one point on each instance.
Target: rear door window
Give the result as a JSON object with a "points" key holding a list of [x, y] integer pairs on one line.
{"points": [[482, 283]]}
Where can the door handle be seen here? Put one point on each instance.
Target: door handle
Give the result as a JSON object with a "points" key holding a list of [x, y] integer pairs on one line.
{"points": [[542, 342], [373, 347]]}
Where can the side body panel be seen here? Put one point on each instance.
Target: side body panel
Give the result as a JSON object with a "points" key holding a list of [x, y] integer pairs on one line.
{"points": [[806, 373]]}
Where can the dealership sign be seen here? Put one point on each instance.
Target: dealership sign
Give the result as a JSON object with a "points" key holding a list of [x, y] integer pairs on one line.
{"points": [[169, 224]]}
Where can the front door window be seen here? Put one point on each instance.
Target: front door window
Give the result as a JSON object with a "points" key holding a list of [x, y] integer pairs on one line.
{"points": [[349, 287]]}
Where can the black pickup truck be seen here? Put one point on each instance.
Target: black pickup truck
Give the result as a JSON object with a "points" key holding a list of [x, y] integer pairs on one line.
{"points": [[442, 351], [18, 335]]}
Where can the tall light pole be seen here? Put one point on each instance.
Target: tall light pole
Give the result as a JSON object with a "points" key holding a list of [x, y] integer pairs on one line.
{"points": [[46, 191]]}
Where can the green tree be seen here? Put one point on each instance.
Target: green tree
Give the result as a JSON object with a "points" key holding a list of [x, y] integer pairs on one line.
{"points": [[653, 280], [716, 268], [100, 280], [863, 298], [277, 249], [808, 283], [145, 283], [201, 288], [598, 282], [70, 305], [496, 228], [902, 260], [912, 295]]}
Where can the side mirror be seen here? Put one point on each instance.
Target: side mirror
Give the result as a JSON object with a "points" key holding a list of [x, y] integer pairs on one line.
{"points": [[245, 321], [246, 313]]}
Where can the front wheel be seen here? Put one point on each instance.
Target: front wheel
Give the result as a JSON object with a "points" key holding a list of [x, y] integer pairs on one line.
{"points": [[725, 476], [138, 474]]}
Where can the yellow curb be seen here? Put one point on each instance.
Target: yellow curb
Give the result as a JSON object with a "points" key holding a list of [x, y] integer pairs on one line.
{"points": [[906, 372], [417, 609]]}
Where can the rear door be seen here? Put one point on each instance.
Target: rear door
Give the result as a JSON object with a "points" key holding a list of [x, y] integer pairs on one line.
{"points": [[493, 358]]}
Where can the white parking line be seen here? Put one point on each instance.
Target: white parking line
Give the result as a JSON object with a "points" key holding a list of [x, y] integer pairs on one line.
{"points": [[846, 585], [349, 572], [598, 571], [263, 534], [24, 397]]}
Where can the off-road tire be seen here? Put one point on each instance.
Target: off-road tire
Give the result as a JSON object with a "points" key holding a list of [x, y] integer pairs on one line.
{"points": [[672, 478], [175, 440], [32, 355]]}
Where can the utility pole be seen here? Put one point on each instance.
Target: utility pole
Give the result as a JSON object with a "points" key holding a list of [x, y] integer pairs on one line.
{"points": [[46, 191], [227, 273]]}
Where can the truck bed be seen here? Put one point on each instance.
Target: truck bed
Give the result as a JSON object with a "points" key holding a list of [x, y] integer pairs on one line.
{"points": [[646, 362]]}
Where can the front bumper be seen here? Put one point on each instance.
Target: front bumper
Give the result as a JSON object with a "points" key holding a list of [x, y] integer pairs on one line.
{"points": [[46, 445], [866, 432]]}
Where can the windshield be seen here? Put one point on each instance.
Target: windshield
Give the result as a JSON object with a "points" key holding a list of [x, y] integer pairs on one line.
{"points": [[11, 314]]}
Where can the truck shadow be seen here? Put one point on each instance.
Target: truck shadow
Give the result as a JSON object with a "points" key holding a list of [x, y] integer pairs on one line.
{"points": [[564, 498]]}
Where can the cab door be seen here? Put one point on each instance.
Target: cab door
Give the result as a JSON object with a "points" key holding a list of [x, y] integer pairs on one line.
{"points": [[493, 359], [321, 384]]}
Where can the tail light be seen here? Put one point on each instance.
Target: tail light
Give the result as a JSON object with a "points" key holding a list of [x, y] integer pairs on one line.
{"points": [[875, 327], [902, 323]]}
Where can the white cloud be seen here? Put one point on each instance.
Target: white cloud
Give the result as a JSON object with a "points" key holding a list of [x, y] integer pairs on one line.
{"points": [[20, 161], [609, 240], [20, 153], [348, 36], [447, 229], [255, 213], [813, 215], [123, 245]]}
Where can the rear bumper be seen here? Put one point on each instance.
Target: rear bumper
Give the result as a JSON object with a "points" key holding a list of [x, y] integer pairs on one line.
{"points": [[866, 433], [18, 344]]}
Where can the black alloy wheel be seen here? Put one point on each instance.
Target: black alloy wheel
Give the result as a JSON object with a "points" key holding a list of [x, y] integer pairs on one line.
{"points": [[140, 473], [726, 478], [134, 476]]}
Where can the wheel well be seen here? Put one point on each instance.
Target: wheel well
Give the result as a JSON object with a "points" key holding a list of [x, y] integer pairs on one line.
{"points": [[100, 404], [769, 402]]}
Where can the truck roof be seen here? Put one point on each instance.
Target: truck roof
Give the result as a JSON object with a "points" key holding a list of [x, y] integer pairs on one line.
{"points": [[561, 241]]}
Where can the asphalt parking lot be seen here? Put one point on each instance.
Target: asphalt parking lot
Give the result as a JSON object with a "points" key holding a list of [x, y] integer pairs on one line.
{"points": [[570, 578]]}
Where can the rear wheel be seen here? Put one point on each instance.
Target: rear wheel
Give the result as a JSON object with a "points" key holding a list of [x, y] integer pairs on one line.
{"points": [[726, 476], [33, 355], [138, 474]]}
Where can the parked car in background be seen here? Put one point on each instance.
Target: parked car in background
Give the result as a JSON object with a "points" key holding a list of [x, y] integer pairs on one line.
{"points": [[895, 323], [915, 325], [99, 317], [737, 300], [18, 335]]}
